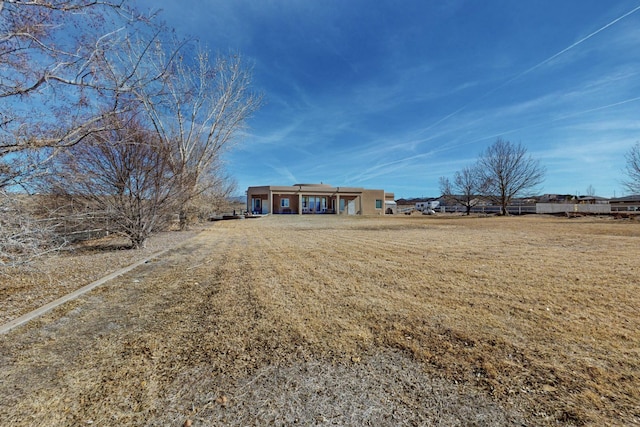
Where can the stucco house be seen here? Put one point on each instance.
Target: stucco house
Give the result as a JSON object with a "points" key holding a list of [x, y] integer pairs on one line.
{"points": [[627, 203], [316, 199]]}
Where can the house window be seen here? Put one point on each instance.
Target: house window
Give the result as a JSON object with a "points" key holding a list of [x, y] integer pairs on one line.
{"points": [[378, 204], [284, 203]]}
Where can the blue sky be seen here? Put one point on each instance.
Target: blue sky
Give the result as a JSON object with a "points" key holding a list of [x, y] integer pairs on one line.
{"points": [[395, 94]]}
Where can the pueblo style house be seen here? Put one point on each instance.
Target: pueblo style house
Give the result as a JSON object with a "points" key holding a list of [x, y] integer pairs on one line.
{"points": [[316, 199]]}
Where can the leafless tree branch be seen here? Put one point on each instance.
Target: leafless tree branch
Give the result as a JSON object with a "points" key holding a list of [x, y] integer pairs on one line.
{"points": [[633, 169], [199, 112], [23, 235], [509, 171], [125, 175], [467, 186]]}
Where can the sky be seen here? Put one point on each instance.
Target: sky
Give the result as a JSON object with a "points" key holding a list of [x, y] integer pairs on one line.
{"points": [[393, 95]]}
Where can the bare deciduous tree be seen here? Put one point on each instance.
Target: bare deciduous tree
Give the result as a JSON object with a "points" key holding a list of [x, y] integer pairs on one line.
{"points": [[61, 81], [633, 169], [508, 172], [123, 177], [44, 42], [199, 113], [72, 70], [58, 66], [215, 198], [467, 185]]}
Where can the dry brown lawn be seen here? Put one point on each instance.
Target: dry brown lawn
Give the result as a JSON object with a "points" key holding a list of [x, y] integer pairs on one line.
{"points": [[319, 320]]}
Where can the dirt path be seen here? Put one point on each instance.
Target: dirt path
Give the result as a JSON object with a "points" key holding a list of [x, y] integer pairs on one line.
{"points": [[34, 314], [24, 288], [283, 321]]}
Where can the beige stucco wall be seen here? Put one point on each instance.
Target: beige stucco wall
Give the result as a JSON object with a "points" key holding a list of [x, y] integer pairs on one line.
{"points": [[271, 196], [369, 198]]}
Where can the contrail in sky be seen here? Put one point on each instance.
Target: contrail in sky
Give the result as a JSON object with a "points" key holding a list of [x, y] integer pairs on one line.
{"points": [[377, 169], [534, 125], [538, 65], [551, 58], [382, 168]]}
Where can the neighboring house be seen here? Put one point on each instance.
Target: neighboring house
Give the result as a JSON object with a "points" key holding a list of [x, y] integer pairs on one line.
{"points": [[316, 199], [594, 200], [556, 198], [628, 203], [568, 205]]}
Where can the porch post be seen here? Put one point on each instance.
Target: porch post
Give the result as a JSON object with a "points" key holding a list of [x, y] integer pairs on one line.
{"points": [[299, 203], [270, 203], [337, 203]]}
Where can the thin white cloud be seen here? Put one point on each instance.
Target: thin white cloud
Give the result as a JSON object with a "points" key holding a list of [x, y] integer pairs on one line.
{"points": [[283, 173], [533, 68]]}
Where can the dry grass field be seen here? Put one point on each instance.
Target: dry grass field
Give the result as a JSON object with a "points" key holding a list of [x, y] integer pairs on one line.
{"points": [[319, 320]]}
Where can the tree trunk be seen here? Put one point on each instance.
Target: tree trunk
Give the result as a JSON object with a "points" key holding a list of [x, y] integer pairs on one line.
{"points": [[184, 219], [138, 242]]}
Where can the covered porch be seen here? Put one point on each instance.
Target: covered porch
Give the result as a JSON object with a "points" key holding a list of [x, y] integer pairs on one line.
{"points": [[304, 199]]}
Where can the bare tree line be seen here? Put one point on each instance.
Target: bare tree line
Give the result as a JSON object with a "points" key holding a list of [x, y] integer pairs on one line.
{"points": [[105, 108], [505, 171]]}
